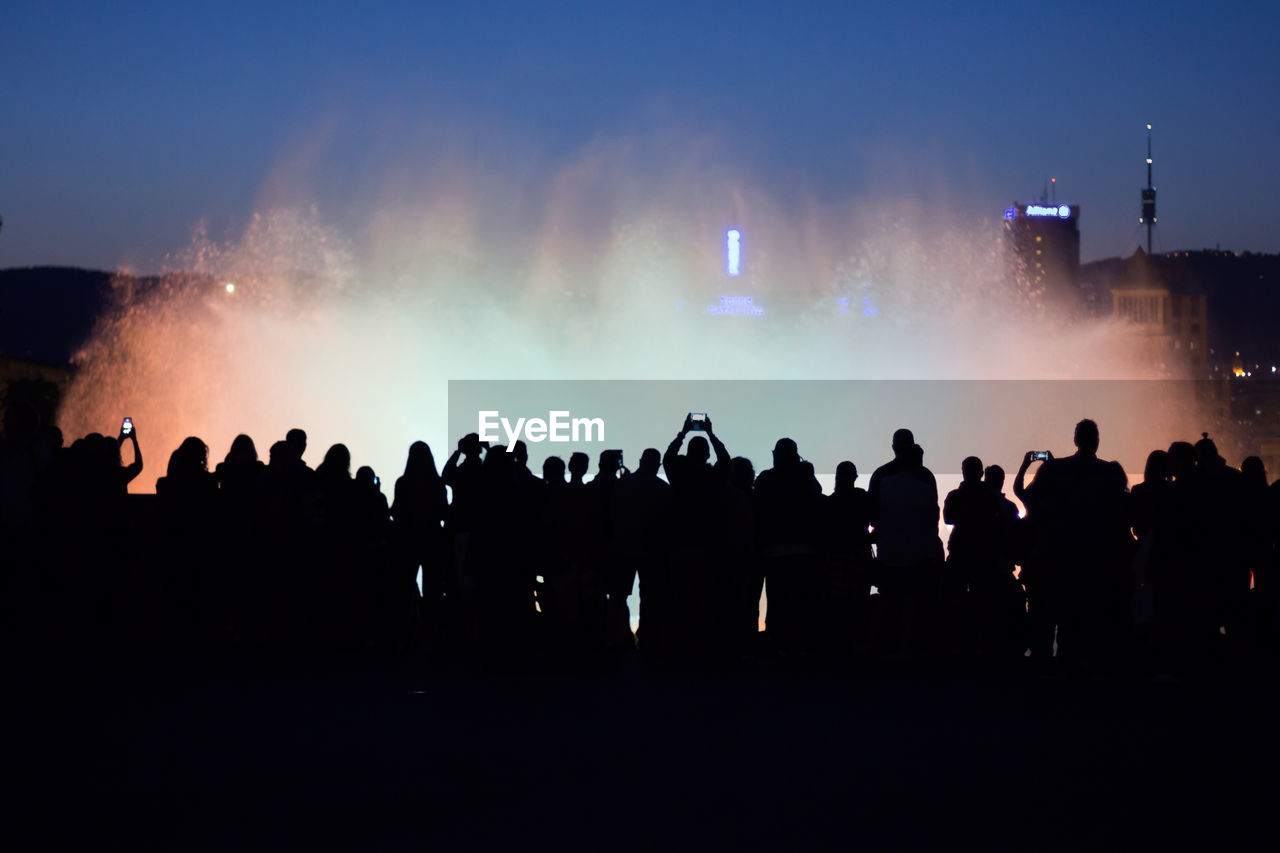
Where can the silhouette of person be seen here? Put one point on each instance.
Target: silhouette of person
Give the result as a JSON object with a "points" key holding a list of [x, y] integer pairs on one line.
{"points": [[904, 514], [1222, 526], [239, 476], [971, 570], [558, 594], [418, 511], [185, 499], [578, 464], [1007, 636], [574, 583], [846, 586], [128, 473], [788, 506], [1146, 496], [614, 576], [1038, 574], [462, 473], [1081, 506], [498, 560], [296, 438], [697, 557], [742, 555], [332, 553], [238, 473], [642, 539], [1175, 569]]}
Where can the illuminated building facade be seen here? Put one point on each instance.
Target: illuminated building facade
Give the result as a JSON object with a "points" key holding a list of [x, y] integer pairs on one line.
{"points": [[1044, 240], [1171, 316]]}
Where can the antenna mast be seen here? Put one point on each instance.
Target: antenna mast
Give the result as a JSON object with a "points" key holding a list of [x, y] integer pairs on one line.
{"points": [[1148, 197]]}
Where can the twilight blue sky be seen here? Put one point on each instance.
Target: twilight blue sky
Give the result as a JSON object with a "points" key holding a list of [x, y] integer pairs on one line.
{"points": [[122, 125]]}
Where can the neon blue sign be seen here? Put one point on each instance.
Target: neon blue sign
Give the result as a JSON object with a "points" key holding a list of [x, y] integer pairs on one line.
{"points": [[1061, 211], [733, 252]]}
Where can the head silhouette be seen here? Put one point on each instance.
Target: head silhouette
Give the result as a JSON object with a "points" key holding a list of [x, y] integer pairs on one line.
{"points": [[1253, 472], [1207, 451], [498, 464], [743, 473], [297, 439], [903, 442], [196, 453], [242, 450], [994, 477], [191, 458], [650, 461], [1157, 467], [846, 476], [281, 455], [1087, 438], [520, 454], [1182, 461], [420, 464], [365, 478], [553, 470], [699, 449], [578, 464], [337, 462], [101, 452], [470, 444], [971, 469], [785, 453]]}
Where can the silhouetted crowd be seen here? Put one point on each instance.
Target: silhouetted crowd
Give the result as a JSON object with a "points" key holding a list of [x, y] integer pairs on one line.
{"points": [[483, 560]]}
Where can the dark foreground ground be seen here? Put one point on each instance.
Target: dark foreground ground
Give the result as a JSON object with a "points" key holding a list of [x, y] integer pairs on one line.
{"points": [[781, 757]]}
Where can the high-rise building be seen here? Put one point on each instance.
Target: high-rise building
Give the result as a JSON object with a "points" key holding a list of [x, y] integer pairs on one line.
{"points": [[1045, 242]]}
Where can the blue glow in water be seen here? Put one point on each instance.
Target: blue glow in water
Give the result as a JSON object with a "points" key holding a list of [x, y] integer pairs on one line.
{"points": [[869, 310]]}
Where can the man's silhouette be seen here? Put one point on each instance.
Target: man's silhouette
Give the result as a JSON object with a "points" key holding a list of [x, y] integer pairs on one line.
{"points": [[904, 514], [296, 438], [1222, 527], [698, 557], [788, 502], [1081, 511], [972, 510], [844, 592], [462, 473], [641, 522]]}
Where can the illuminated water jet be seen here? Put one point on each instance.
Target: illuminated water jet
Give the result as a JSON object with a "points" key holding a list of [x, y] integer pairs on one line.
{"points": [[289, 325]]}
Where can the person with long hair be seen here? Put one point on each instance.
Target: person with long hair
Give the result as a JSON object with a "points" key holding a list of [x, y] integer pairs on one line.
{"points": [[418, 511]]}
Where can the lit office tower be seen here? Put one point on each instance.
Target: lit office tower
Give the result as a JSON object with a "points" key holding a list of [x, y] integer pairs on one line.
{"points": [[1045, 241]]}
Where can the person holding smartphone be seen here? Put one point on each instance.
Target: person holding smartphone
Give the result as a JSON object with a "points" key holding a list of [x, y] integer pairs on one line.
{"points": [[130, 472]]}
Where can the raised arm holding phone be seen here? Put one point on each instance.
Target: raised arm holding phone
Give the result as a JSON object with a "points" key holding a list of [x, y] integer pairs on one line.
{"points": [[129, 433]]}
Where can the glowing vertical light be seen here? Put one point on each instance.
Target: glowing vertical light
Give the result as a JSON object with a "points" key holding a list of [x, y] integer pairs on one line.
{"points": [[733, 251]]}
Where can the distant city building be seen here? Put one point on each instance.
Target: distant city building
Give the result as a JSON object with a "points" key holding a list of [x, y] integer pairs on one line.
{"points": [[1044, 239], [1241, 293], [1168, 312]]}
